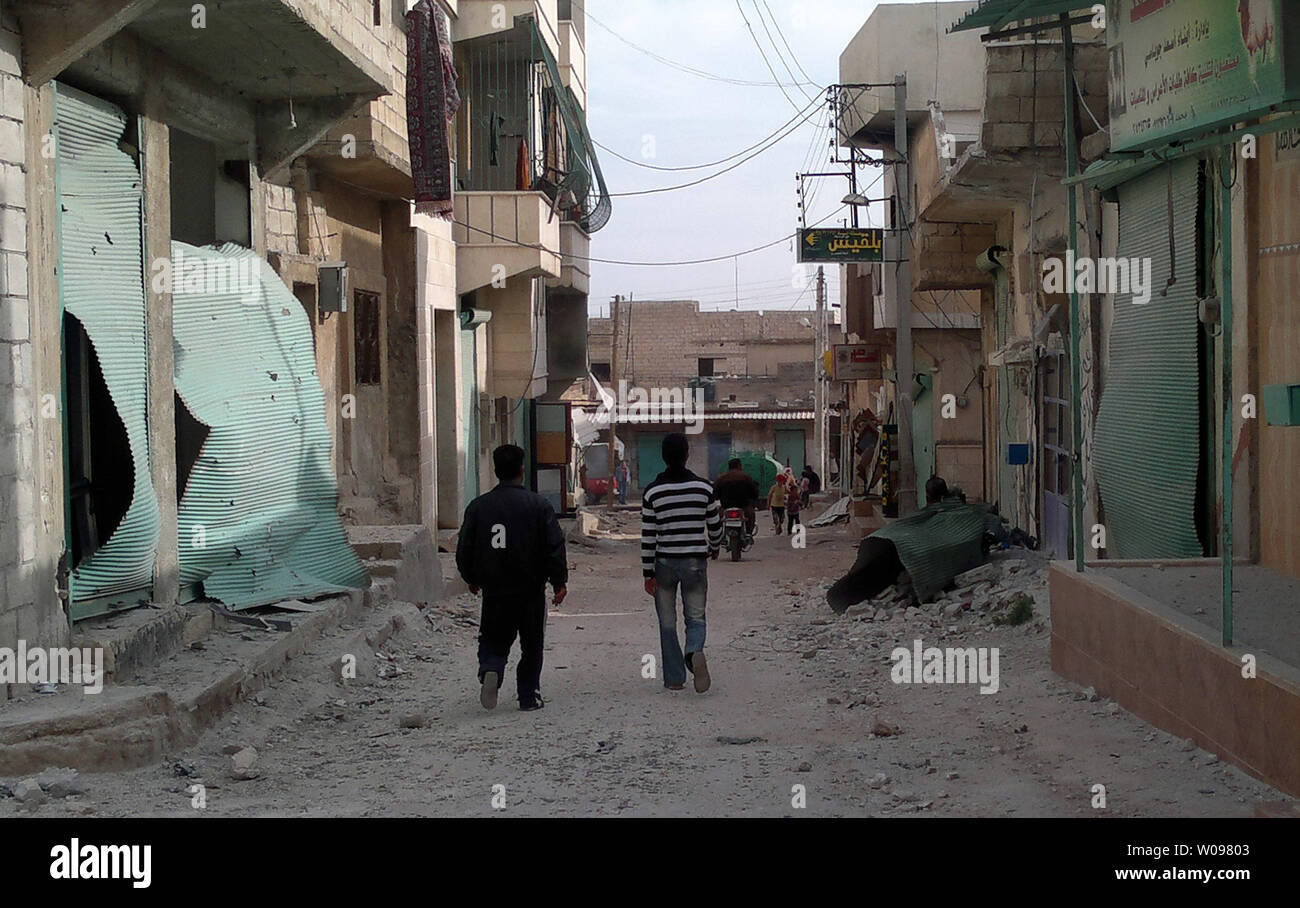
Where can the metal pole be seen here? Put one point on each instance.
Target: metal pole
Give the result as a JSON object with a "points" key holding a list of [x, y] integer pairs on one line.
{"points": [[613, 381], [903, 368], [819, 389], [1076, 394], [1225, 295]]}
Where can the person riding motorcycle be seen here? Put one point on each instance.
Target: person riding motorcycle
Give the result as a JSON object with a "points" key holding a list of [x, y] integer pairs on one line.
{"points": [[737, 489]]}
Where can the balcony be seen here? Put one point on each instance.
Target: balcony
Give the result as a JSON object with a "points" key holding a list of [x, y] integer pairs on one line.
{"points": [[573, 61], [575, 247], [115, 48], [369, 148], [521, 128], [478, 19], [500, 235]]}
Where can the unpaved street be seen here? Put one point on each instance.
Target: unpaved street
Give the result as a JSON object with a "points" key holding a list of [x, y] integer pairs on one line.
{"points": [[797, 693]]}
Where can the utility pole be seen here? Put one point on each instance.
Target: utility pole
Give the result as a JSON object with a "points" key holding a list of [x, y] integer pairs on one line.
{"points": [[819, 389], [613, 381], [903, 367]]}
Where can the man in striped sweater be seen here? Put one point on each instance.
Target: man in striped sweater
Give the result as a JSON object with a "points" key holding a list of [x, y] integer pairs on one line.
{"points": [[681, 528]]}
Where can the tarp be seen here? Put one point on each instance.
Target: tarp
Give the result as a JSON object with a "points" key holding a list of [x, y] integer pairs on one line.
{"points": [[258, 520], [939, 542]]}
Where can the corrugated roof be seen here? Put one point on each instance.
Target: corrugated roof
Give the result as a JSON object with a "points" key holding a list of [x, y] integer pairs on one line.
{"points": [[1110, 173], [715, 416], [996, 14]]}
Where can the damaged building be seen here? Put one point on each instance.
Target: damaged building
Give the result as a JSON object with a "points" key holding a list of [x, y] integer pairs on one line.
{"points": [[233, 336]]}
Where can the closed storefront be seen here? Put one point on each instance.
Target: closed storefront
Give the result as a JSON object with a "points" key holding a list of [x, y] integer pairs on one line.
{"points": [[1148, 450]]}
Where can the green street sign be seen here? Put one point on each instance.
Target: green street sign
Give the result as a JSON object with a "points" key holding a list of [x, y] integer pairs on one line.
{"points": [[853, 244]]}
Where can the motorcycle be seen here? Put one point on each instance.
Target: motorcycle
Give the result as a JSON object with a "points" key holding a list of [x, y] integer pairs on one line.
{"points": [[734, 528]]}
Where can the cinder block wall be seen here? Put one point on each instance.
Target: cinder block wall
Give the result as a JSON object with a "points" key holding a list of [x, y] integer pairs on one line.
{"points": [[19, 615]]}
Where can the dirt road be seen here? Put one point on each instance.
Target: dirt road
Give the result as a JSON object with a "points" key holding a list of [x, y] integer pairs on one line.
{"points": [[797, 694]]}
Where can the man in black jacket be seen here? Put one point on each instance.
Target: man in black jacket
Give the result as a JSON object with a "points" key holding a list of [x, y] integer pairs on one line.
{"points": [[510, 545], [737, 489]]}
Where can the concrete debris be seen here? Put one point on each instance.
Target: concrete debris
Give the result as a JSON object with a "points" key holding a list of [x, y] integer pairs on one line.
{"points": [[878, 781], [60, 783], [243, 764], [414, 720], [731, 739], [989, 571], [30, 793]]}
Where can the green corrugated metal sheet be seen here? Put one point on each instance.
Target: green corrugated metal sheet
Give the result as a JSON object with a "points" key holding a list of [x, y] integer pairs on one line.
{"points": [[995, 14], [939, 542], [1108, 174], [1147, 435], [101, 285], [258, 520]]}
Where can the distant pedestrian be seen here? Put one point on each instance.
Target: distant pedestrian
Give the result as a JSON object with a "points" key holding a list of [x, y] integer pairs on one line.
{"points": [[621, 475], [681, 527], [776, 498], [792, 507], [810, 483], [509, 546]]}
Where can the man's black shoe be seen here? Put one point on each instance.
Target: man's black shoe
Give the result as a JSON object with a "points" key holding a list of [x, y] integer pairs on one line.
{"points": [[529, 705]]}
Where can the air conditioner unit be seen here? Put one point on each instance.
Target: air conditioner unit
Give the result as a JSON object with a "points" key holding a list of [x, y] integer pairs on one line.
{"points": [[332, 287]]}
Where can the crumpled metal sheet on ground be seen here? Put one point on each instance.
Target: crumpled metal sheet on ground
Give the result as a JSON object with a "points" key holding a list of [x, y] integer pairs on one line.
{"points": [[258, 520], [101, 285]]}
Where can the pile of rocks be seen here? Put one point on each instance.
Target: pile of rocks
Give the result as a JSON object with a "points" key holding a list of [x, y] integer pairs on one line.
{"points": [[994, 586], [52, 783]]}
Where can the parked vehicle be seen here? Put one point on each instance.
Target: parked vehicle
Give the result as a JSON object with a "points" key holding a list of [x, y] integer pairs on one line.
{"points": [[737, 535]]}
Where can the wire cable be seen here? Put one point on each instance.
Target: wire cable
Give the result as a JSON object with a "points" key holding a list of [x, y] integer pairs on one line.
{"points": [[681, 67], [718, 163]]}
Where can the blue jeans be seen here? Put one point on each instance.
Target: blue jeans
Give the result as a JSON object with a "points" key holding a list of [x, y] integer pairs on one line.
{"points": [[692, 575]]}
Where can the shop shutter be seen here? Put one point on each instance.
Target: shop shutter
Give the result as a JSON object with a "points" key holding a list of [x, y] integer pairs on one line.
{"points": [[1147, 433], [101, 285], [258, 520]]}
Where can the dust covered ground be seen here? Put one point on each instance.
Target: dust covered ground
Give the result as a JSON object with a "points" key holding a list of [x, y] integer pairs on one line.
{"points": [[802, 704]]}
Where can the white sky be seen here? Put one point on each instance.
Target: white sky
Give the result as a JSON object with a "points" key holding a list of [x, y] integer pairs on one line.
{"points": [[692, 120]]}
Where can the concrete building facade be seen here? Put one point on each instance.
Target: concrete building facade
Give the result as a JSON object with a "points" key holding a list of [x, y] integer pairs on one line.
{"points": [[393, 382]]}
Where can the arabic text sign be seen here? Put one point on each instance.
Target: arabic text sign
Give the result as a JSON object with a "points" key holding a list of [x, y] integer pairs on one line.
{"points": [[857, 362], [842, 245], [1178, 67]]}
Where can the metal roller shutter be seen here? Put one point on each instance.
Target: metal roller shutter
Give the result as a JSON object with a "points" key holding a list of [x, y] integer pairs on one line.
{"points": [[101, 285], [1147, 433]]}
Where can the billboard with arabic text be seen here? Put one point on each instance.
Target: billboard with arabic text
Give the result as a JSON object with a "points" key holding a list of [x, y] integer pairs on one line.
{"points": [[1183, 67]]}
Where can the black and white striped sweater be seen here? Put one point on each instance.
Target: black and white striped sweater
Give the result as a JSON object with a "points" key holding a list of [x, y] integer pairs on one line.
{"points": [[680, 518]]}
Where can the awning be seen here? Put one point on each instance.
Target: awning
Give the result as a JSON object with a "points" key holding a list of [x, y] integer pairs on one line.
{"points": [[1108, 174], [996, 14]]}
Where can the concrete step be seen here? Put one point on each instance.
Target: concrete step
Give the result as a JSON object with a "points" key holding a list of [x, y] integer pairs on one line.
{"points": [[126, 726], [383, 567]]}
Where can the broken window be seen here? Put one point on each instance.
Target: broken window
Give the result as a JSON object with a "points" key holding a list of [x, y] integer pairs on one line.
{"points": [[366, 337]]}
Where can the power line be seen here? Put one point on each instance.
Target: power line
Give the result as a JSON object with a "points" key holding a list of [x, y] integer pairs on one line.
{"points": [[587, 258], [777, 50], [786, 43], [682, 67], [799, 121], [763, 54], [718, 163]]}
